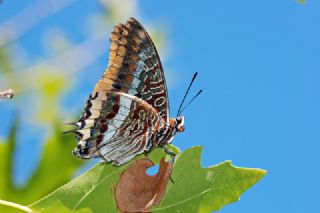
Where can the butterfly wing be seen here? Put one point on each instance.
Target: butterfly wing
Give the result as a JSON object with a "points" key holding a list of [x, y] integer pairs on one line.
{"points": [[128, 103], [133, 136], [134, 67], [117, 127]]}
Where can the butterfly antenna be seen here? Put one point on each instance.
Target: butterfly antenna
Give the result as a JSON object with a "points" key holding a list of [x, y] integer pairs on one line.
{"points": [[185, 95], [194, 97]]}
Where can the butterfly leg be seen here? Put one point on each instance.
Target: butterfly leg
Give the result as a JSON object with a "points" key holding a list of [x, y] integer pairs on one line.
{"points": [[173, 155], [145, 153], [169, 152]]}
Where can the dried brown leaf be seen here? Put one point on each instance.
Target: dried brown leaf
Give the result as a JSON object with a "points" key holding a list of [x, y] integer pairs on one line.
{"points": [[137, 191]]}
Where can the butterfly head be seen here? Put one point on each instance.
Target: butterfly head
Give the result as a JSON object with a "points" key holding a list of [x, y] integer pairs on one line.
{"points": [[180, 123]]}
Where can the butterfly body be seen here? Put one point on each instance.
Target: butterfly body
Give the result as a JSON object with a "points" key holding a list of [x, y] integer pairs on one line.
{"points": [[128, 111]]}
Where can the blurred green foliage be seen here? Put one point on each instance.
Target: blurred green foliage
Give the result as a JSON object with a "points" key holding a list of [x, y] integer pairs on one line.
{"points": [[5, 66], [57, 166]]}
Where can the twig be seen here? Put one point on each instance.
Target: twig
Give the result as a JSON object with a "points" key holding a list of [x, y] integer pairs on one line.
{"points": [[15, 205], [7, 94]]}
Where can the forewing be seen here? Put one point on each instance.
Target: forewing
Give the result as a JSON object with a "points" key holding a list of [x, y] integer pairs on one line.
{"points": [[134, 67]]}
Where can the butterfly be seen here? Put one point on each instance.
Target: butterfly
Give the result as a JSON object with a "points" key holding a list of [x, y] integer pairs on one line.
{"points": [[128, 111]]}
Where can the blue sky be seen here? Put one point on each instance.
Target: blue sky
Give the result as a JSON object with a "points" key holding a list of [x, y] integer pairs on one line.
{"points": [[258, 65]]}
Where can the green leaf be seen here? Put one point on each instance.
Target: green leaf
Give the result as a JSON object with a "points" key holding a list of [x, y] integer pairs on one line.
{"points": [[195, 189], [302, 1], [90, 192], [209, 189], [57, 166]]}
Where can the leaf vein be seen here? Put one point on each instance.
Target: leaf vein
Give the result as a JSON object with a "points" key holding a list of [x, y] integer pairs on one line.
{"points": [[87, 194], [183, 201]]}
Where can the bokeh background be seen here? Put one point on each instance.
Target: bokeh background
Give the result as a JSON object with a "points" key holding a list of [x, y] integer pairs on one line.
{"points": [[258, 64]]}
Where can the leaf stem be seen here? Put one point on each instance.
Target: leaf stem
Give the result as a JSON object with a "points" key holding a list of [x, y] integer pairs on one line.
{"points": [[15, 205]]}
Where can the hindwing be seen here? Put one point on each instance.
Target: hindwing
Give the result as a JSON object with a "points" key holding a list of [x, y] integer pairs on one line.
{"points": [[117, 127]]}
